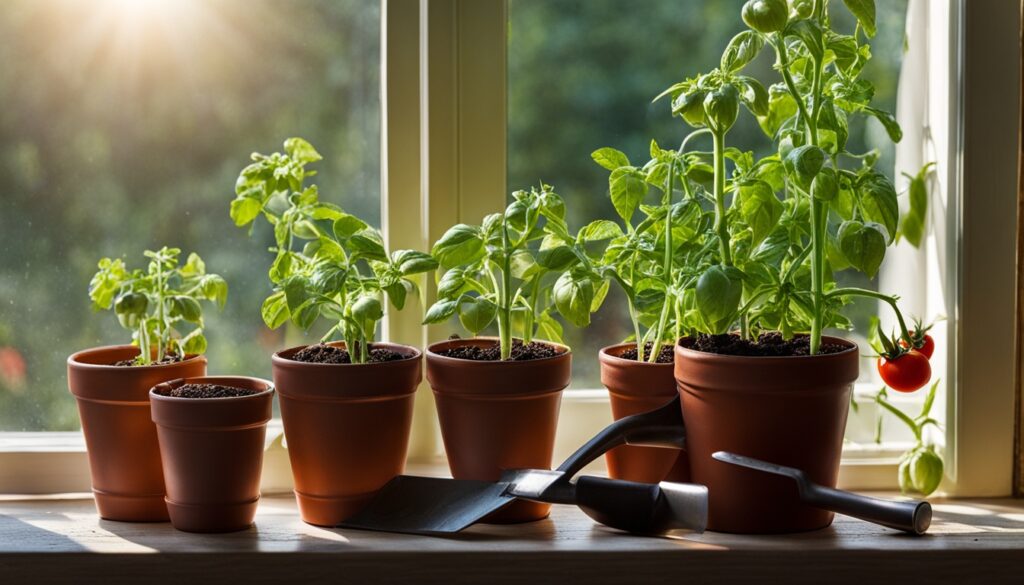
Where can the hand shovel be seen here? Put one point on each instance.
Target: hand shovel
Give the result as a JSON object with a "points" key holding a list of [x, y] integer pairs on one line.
{"points": [[430, 505], [914, 517]]}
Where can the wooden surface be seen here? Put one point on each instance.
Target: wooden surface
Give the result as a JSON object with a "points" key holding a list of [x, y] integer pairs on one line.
{"points": [[60, 539]]}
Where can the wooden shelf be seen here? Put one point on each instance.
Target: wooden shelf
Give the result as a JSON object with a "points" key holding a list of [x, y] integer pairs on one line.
{"points": [[60, 539]]}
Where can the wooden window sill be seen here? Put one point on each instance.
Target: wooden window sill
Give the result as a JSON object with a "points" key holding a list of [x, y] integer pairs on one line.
{"points": [[60, 539]]}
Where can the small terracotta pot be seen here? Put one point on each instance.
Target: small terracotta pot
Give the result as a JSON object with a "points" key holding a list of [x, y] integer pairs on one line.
{"points": [[113, 405], [635, 387], [786, 410], [498, 415], [347, 428], [212, 451]]}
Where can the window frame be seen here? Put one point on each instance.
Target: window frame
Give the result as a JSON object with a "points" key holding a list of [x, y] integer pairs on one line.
{"points": [[443, 142]]}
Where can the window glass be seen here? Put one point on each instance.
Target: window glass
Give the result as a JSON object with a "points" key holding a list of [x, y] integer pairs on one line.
{"points": [[125, 123], [581, 76]]}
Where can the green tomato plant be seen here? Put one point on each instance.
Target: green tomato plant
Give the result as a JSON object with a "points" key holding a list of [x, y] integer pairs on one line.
{"points": [[327, 263], [157, 303], [784, 223], [520, 268], [921, 468]]}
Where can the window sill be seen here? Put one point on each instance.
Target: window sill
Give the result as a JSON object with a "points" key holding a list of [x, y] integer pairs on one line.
{"points": [[46, 539]]}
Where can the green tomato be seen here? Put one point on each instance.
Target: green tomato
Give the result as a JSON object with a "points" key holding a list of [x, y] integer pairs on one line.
{"points": [[921, 471], [766, 16], [825, 185], [721, 107]]}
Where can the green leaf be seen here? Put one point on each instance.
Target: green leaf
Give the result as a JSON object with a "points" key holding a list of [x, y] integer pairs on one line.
{"points": [[366, 311], [398, 292], [892, 127], [369, 244], [804, 162], [347, 225], [328, 278], [864, 10], [557, 258], [810, 34], [460, 245], [187, 308], [719, 291], [573, 298], [296, 291], [306, 314], [281, 269], [760, 209], [411, 262], [476, 313], [548, 328], [742, 49], [275, 310], [753, 95], [610, 158], [245, 209], [440, 311], [194, 343], [912, 226], [214, 288], [627, 188], [781, 107], [301, 151], [327, 211], [878, 201], [599, 230], [863, 245]]}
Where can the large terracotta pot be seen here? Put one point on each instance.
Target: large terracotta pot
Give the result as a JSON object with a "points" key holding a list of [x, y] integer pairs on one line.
{"points": [[347, 428], [113, 404], [635, 387], [498, 415], [212, 452], [786, 410]]}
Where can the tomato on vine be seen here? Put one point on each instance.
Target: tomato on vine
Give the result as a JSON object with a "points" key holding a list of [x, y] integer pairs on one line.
{"points": [[905, 372], [920, 340]]}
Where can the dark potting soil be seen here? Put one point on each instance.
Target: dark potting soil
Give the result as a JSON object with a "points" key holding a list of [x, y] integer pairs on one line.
{"points": [[171, 358], [207, 391], [770, 344], [534, 350], [328, 354], [665, 354]]}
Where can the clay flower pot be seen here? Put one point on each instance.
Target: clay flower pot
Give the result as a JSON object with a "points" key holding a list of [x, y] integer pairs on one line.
{"points": [[212, 451], [347, 428], [113, 405], [635, 387], [498, 415], [786, 410]]}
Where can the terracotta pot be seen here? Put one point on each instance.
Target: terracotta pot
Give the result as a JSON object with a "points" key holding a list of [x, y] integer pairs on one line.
{"points": [[212, 451], [635, 387], [113, 405], [498, 415], [347, 428], [786, 410]]}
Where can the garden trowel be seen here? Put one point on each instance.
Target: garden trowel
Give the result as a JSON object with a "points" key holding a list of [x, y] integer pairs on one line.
{"points": [[431, 505]]}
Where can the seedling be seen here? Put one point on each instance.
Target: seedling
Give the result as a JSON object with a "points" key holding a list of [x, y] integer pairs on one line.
{"points": [[501, 270], [156, 304], [327, 263]]}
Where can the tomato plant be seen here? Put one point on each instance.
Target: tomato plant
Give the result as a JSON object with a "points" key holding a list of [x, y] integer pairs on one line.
{"points": [[327, 263], [519, 268], [156, 304], [761, 238]]}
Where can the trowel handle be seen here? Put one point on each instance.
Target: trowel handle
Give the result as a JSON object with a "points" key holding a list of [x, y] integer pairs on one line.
{"points": [[643, 508], [661, 427], [914, 516]]}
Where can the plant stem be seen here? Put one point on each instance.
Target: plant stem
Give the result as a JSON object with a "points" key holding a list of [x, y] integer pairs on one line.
{"points": [[160, 324], [505, 310], [720, 225], [863, 292], [667, 267]]}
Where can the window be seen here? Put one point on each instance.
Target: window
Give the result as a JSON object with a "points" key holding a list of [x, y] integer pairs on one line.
{"points": [[125, 124]]}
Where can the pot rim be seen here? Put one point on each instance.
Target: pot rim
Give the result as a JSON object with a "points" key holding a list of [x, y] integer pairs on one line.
{"points": [[605, 355], [281, 361], [224, 380], [695, 354], [434, 356], [74, 359]]}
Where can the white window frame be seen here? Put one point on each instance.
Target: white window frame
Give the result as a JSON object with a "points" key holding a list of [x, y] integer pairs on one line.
{"points": [[443, 140]]}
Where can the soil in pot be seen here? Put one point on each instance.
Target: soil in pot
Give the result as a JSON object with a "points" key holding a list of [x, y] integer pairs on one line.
{"points": [[498, 415], [787, 409], [171, 358], [212, 433], [346, 425], [635, 387], [490, 352], [768, 344], [322, 353], [121, 440]]}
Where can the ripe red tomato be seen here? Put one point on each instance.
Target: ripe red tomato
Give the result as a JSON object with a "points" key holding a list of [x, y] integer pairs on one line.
{"points": [[927, 346], [907, 373]]}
